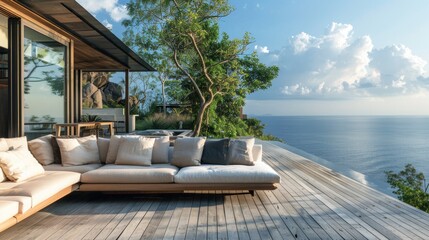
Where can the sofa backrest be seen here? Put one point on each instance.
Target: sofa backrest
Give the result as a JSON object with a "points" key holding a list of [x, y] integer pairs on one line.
{"points": [[103, 146]]}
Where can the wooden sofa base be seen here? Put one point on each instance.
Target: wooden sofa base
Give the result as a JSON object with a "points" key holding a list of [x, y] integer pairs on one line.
{"points": [[21, 216], [8, 223], [174, 187]]}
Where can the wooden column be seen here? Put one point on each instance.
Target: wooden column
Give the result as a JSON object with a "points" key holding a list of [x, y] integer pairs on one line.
{"points": [[127, 101], [16, 82]]}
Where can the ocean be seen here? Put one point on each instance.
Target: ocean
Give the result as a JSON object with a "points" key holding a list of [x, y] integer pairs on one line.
{"points": [[361, 147]]}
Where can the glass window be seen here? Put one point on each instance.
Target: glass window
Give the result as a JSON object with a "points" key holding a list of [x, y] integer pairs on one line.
{"points": [[4, 74], [44, 83]]}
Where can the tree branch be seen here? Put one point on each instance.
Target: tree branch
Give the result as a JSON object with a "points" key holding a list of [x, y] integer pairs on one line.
{"points": [[176, 61]]}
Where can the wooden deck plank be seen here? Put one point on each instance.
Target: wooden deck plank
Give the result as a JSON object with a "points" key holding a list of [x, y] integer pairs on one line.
{"points": [[312, 202], [212, 216], [144, 222], [132, 225], [222, 232], [230, 218], [174, 219], [183, 222], [191, 231], [202, 227]]}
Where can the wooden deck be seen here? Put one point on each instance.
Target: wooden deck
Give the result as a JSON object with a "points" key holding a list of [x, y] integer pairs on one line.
{"points": [[312, 202]]}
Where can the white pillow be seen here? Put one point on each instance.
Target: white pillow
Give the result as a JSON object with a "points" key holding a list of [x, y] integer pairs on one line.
{"points": [[3, 145], [78, 151], [115, 140], [241, 152], [17, 142], [42, 149], [160, 150], [188, 151], [3, 148], [135, 151], [19, 164]]}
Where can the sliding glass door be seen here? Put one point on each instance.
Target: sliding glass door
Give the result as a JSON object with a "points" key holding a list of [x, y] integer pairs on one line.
{"points": [[4, 76], [45, 76]]}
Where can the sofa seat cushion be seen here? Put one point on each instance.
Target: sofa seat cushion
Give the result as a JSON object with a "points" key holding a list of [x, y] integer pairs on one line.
{"points": [[79, 169], [8, 209], [206, 173], [23, 201], [156, 173], [42, 187]]}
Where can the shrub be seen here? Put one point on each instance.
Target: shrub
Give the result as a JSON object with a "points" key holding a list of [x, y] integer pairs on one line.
{"points": [[410, 187], [159, 121]]}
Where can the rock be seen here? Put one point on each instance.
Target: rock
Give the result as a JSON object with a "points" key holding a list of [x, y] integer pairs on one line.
{"points": [[112, 92]]}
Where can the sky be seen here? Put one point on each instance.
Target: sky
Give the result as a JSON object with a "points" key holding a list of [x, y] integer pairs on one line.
{"points": [[335, 57]]}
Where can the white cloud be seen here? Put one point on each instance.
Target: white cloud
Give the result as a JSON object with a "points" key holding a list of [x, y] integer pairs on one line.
{"points": [[115, 10], [107, 24], [262, 49], [339, 65]]}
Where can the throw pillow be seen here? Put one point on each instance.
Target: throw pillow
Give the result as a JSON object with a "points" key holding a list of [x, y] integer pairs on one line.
{"points": [[160, 150], [216, 152], [135, 151], [3, 145], [115, 140], [19, 164], [56, 148], [17, 142], [42, 149], [103, 148], [188, 151], [78, 151], [240, 152]]}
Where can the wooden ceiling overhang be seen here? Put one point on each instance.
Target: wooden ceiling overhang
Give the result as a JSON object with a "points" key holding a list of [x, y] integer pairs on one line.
{"points": [[96, 48]]}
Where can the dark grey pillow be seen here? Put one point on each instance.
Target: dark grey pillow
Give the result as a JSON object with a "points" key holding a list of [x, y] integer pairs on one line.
{"points": [[216, 152]]}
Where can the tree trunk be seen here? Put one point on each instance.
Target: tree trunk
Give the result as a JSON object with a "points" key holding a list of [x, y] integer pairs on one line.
{"points": [[199, 119]]}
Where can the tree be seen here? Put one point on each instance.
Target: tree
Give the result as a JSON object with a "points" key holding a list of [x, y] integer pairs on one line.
{"points": [[141, 88], [410, 187], [186, 34]]}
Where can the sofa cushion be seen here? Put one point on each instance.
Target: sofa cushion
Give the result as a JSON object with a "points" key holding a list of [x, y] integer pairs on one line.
{"points": [[156, 173], [258, 173], [160, 150], [241, 152], [78, 169], [79, 151], [8, 209], [19, 164], [188, 151], [41, 148], [103, 147], [135, 151], [42, 187], [23, 201], [115, 141], [215, 152]]}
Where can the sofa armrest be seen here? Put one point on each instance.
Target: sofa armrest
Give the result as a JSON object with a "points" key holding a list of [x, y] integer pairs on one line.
{"points": [[257, 152]]}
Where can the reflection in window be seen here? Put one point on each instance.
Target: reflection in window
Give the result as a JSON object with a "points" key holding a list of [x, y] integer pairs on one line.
{"points": [[44, 81], [4, 76]]}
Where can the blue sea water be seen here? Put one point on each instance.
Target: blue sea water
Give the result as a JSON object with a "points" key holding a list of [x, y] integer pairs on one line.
{"points": [[366, 144]]}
